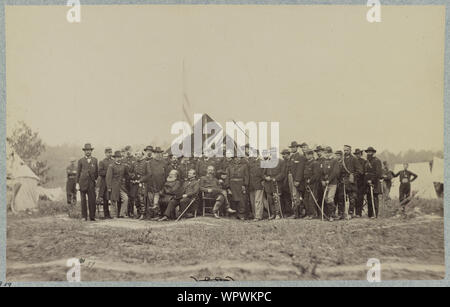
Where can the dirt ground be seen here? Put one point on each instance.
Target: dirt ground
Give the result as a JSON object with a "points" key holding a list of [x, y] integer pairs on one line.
{"points": [[132, 250]]}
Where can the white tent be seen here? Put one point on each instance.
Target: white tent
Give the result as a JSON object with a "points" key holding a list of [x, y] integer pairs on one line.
{"points": [[437, 171], [423, 185], [22, 182]]}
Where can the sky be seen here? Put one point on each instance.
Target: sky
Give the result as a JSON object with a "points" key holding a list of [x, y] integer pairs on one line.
{"points": [[323, 72]]}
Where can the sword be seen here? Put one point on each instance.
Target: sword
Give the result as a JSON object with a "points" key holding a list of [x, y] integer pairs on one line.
{"points": [[373, 205], [323, 199], [278, 199], [315, 200], [188, 206]]}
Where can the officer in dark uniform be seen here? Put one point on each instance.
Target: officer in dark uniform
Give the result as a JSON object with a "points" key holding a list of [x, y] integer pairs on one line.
{"points": [[406, 177], [273, 180], [238, 180], [185, 166], [103, 195], [128, 161], [312, 180], [137, 188], [296, 167], [372, 175], [71, 184], [329, 167], [157, 172], [319, 158], [360, 182], [350, 168]]}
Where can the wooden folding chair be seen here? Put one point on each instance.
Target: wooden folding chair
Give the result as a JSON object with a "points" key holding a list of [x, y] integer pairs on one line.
{"points": [[208, 202]]}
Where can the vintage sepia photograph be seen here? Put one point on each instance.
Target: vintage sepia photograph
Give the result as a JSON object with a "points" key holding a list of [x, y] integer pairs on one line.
{"points": [[225, 143]]}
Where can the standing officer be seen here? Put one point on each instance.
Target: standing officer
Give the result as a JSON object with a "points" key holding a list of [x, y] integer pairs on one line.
{"points": [[350, 170], [273, 180], [237, 180], [87, 173], [103, 195], [71, 184], [372, 176], [387, 180], [137, 193], [360, 182], [145, 182], [296, 167], [128, 161], [116, 178], [329, 178], [157, 171], [406, 177], [255, 188], [312, 180]]}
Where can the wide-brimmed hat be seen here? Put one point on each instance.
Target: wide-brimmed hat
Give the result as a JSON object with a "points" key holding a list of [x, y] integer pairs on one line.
{"points": [[158, 149], [309, 152], [338, 152], [88, 146], [285, 152], [294, 144], [370, 149], [328, 149], [117, 154], [108, 149], [303, 144], [148, 148], [357, 151], [318, 148]]}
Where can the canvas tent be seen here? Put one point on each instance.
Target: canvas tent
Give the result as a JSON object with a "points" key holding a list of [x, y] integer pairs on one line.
{"points": [[437, 171], [22, 184], [208, 140], [423, 185]]}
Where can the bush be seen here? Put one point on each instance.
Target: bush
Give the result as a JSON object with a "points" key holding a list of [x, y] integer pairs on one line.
{"points": [[47, 207]]}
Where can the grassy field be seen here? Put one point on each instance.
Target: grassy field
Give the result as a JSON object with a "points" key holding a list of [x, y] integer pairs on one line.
{"points": [[409, 247]]}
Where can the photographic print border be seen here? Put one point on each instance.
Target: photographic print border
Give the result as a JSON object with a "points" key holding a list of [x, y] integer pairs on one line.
{"points": [[3, 222]]}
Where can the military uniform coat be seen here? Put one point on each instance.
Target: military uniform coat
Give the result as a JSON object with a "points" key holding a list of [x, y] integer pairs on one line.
{"points": [[373, 171], [116, 177], [102, 169], [237, 176]]}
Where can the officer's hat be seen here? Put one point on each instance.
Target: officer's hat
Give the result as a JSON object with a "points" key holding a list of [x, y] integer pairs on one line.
{"points": [[88, 146], [158, 149], [318, 148], [294, 144], [370, 149]]}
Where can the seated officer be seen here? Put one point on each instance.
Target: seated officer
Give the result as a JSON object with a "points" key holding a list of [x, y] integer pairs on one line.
{"points": [[210, 185], [189, 194]]}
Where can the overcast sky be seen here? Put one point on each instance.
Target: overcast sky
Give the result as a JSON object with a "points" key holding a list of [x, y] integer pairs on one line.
{"points": [[325, 73]]}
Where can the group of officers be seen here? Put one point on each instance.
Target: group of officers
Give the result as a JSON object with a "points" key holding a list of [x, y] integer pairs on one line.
{"points": [[309, 183]]}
